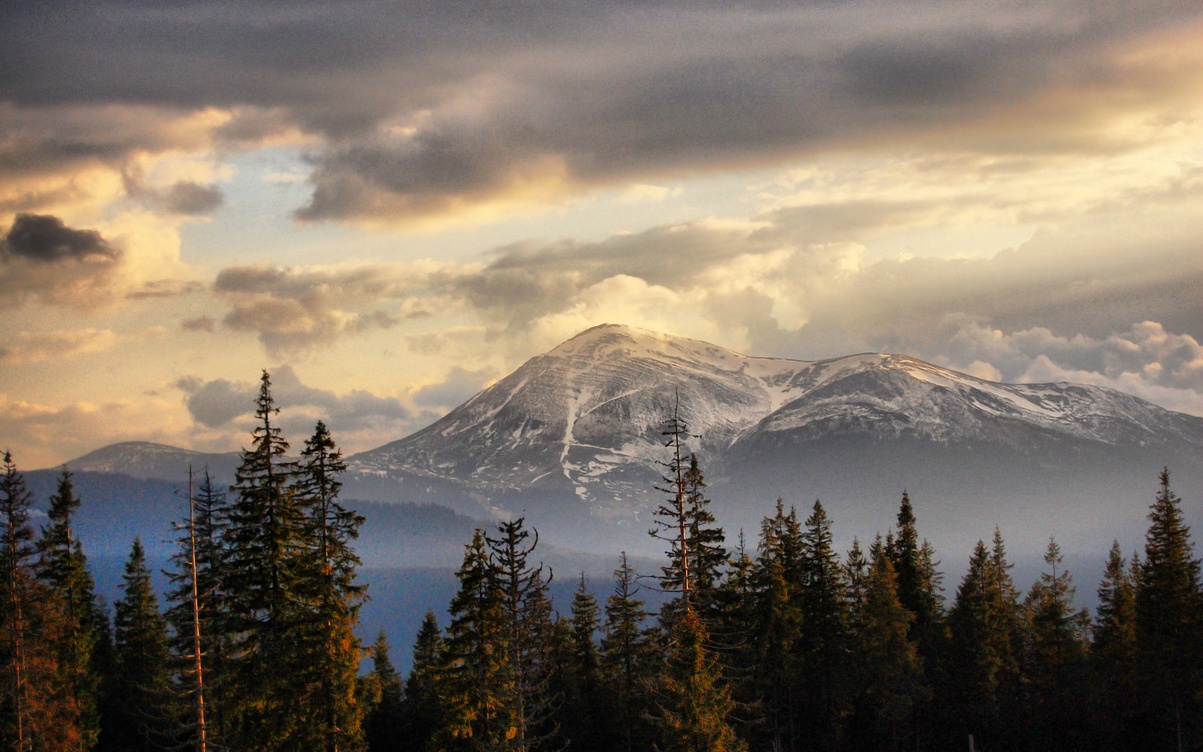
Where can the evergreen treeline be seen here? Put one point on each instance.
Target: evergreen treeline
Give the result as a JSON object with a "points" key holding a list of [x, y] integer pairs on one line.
{"points": [[781, 645], [254, 648]]}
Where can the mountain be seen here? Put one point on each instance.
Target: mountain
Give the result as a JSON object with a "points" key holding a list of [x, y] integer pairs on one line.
{"points": [[574, 437], [573, 440], [147, 460]]}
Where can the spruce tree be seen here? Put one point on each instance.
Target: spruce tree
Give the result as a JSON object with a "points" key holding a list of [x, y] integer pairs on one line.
{"points": [[916, 590], [268, 551], [824, 641], [984, 657], [63, 569], [779, 577], [20, 593], [889, 670], [1169, 631], [144, 672], [475, 680], [584, 721], [692, 704], [422, 709], [526, 708], [385, 727], [1055, 660], [627, 658], [1114, 653], [705, 542], [672, 521], [335, 597]]}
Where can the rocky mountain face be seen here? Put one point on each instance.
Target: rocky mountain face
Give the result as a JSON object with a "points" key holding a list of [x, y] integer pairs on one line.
{"points": [[574, 437]]}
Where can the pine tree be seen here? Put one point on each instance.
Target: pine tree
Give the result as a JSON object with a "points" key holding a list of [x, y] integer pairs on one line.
{"points": [[328, 632], [692, 704], [984, 657], [1055, 660], [824, 641], [779, 578], [268, 548], [63, 569], [672, 515], [889, 669], [385, 725], [627, 658], [143, 661], [526, 709], [704, 542], [20, 593], [422, 710], [1114, 652], [474, 680], [1169, 631], [584, 723]]}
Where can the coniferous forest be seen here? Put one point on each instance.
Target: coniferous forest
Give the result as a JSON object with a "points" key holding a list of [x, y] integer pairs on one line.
{"points": [[782, 643]]}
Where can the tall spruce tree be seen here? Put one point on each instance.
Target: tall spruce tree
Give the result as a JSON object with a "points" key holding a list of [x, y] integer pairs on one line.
{"points": [[824, 641], [475, 680], [1114, 654], [20, 593], [705, 543], [144, 667], [527, 708], [627, 658], [335, 597], [889, 671], [422, 706], [983, 661], [916, 590], [63, 569], [385, 726], [268, 551], [1169, 630], [673, 514], [779, 577], [692, 704], [585, 723], [1055, 660]]}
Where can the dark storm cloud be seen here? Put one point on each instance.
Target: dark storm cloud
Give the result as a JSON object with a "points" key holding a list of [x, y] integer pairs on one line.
{"points": [[430, 106], [46, 239], [42, 258]]}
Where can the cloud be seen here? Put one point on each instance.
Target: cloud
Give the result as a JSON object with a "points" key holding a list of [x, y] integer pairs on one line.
{"points": [[40, 347], [459, 385], [357, 417], [47, 240], [42, 258], [451, 109], [199, 324], [48, 434], [190, 198], [295, 310], [1145, 352]]}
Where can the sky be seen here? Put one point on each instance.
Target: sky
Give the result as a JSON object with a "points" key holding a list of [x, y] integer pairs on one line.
{"points": [[391, 205]]}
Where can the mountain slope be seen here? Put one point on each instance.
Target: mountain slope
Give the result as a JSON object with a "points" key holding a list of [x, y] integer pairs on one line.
{"points": [[573, 438]]}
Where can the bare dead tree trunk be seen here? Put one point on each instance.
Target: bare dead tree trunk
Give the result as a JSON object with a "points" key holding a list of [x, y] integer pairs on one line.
{"points": [[201, 730]]}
